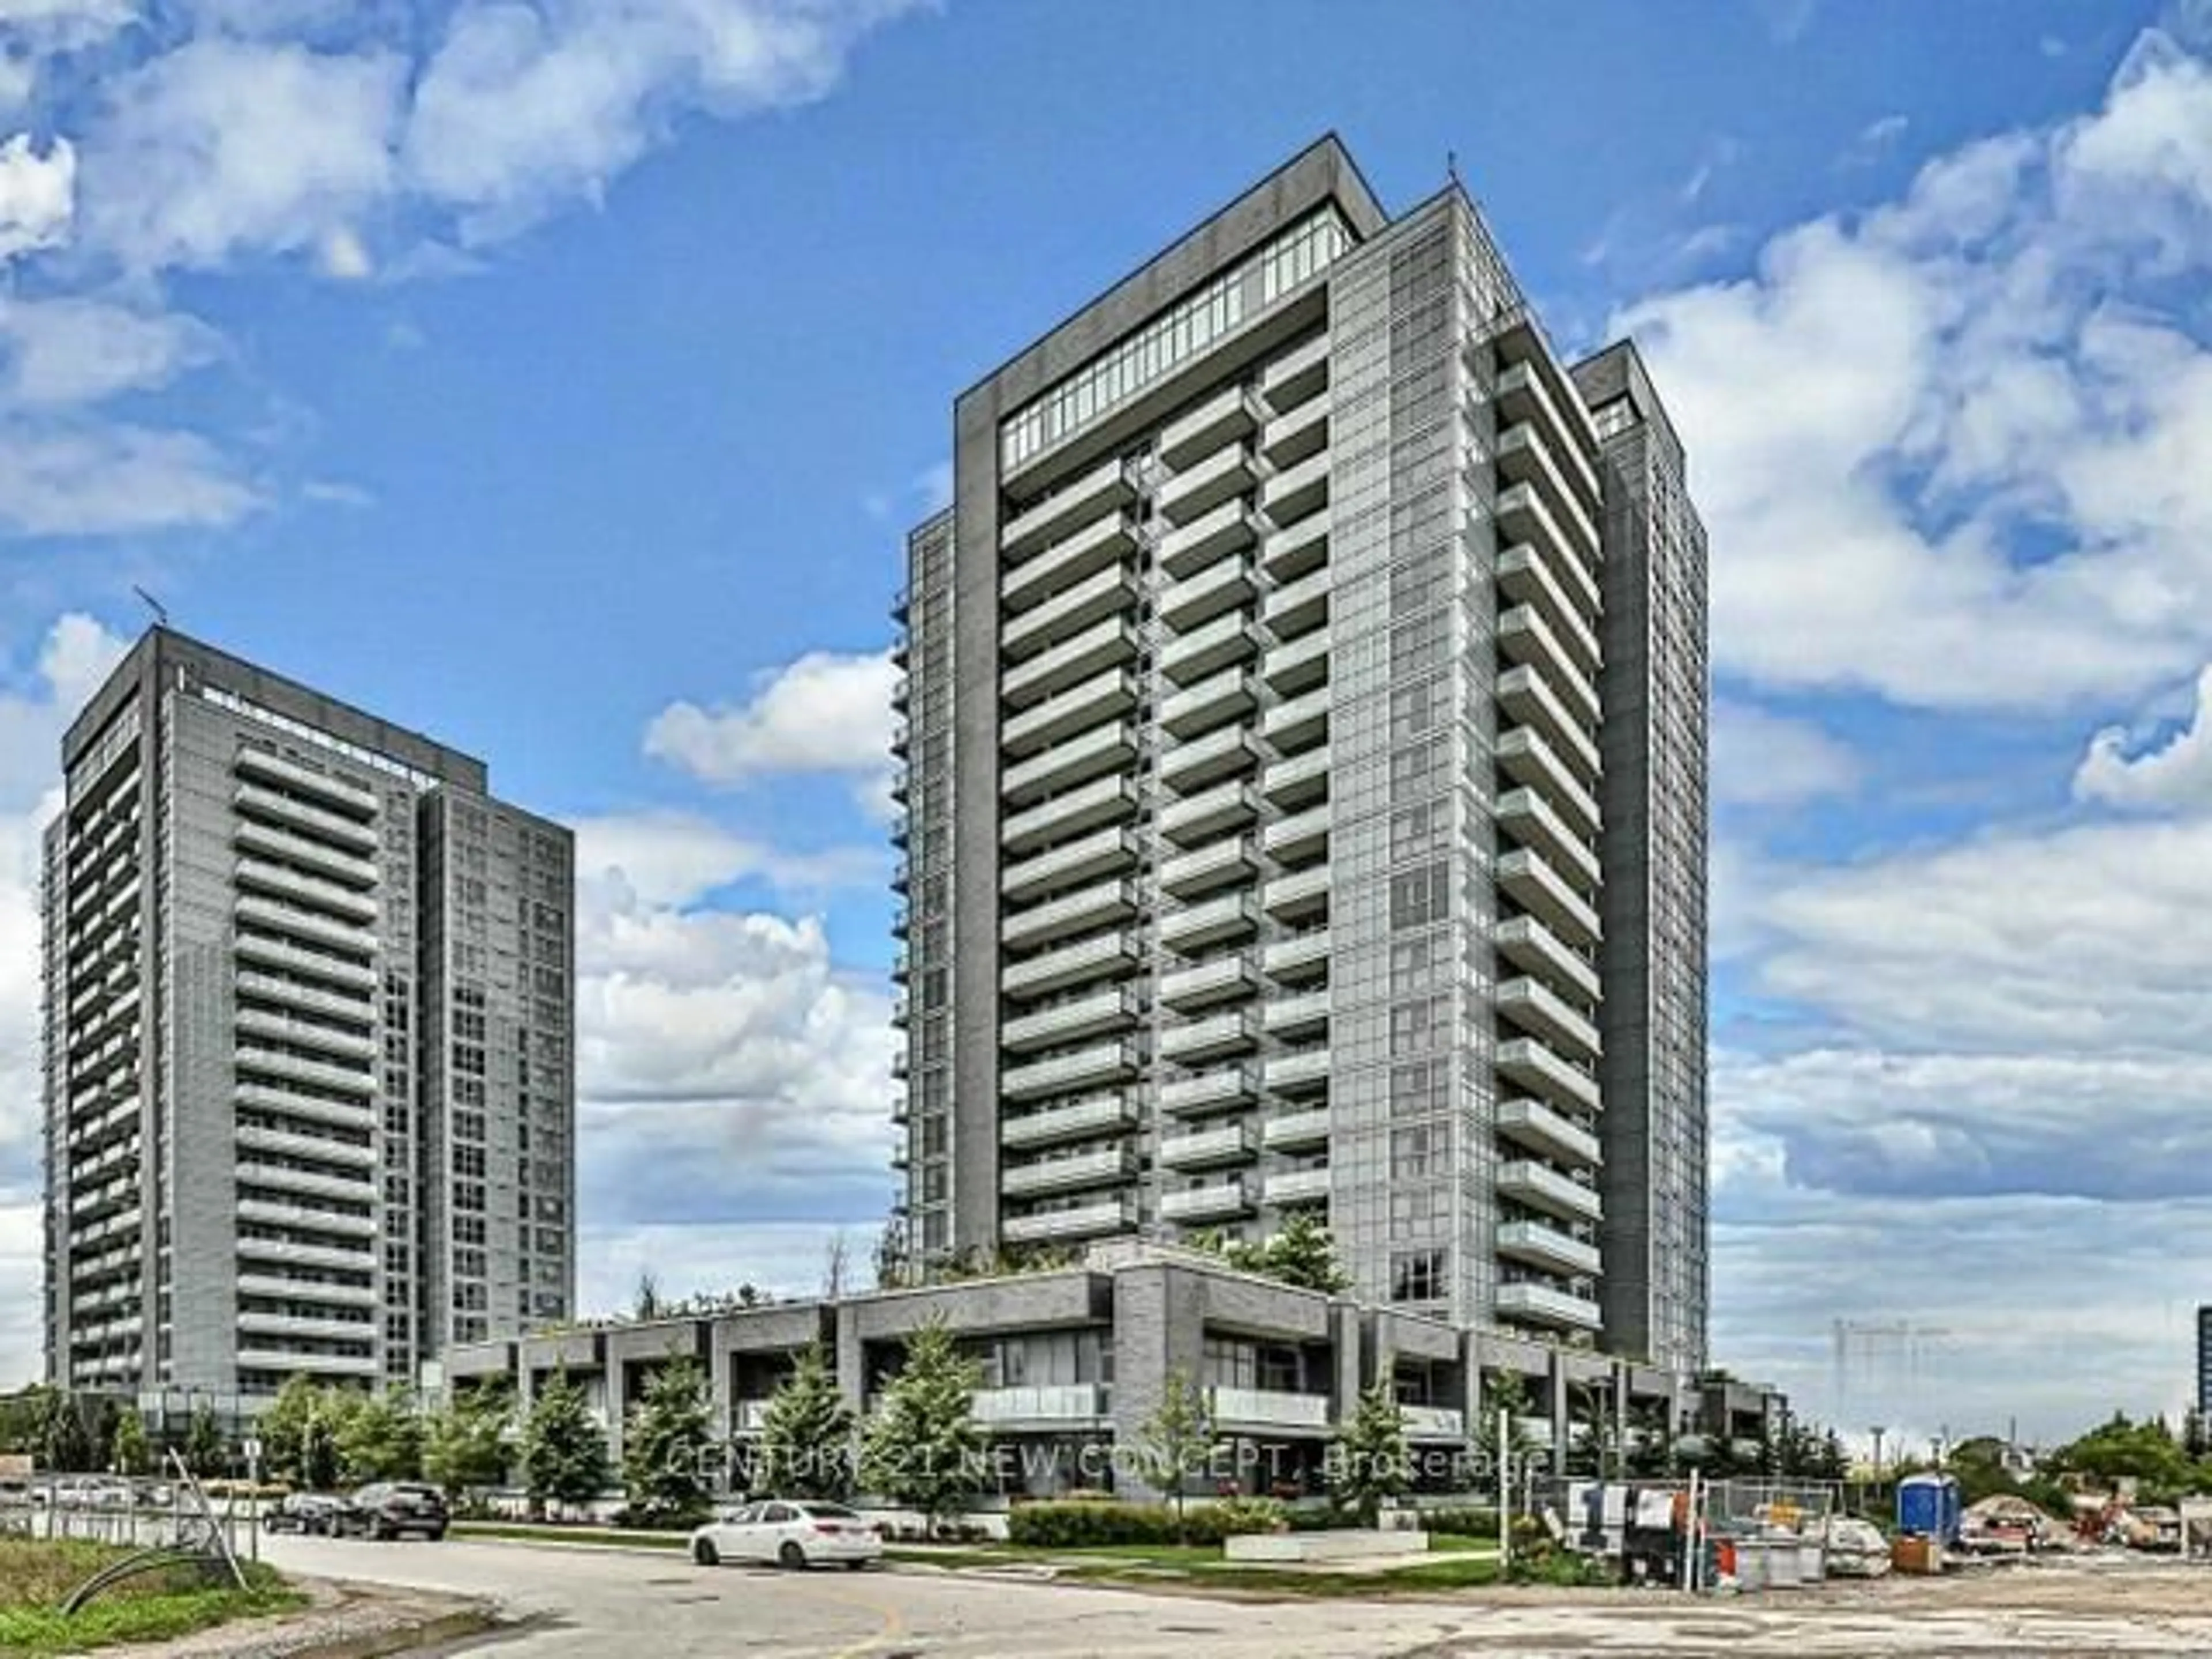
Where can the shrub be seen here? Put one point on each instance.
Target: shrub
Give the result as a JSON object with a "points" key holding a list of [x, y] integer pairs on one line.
{"points": [[1240, 1516], [1090, 1523], [1467, 1522]]}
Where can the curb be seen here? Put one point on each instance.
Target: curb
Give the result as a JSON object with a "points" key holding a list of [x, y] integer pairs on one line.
{"points": [[404, 1639]]}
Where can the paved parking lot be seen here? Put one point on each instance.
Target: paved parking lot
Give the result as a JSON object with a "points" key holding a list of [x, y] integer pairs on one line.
{"points": [[575, 1602]]}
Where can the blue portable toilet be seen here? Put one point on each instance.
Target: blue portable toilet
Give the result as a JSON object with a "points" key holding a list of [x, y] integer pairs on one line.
{"points": [[1928, 1506]]}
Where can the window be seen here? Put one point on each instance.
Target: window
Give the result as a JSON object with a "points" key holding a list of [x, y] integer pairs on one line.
{"points": [[1417, 1275], [1418, 829], [1415, 1151], [1418, 1089], [1419, 898]]}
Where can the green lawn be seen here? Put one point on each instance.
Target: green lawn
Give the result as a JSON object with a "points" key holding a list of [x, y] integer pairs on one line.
{"points": [[35, 1577], [1203, 1566], [518, 1532]]}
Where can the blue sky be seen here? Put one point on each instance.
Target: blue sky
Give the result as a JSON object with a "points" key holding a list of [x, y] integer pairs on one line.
{"points": [[560, 379]]}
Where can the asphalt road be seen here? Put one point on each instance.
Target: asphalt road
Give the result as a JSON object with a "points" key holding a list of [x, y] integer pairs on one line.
{"points": [[581, 1602]]}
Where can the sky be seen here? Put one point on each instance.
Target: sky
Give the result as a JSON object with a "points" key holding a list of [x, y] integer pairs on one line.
{"points": [[559, 377]]}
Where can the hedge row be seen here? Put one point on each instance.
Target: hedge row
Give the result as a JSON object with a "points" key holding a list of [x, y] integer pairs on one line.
{"points": [[1091, 1523]]}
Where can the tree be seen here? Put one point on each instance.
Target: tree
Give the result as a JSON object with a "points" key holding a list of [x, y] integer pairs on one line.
{"points": [[891, 1270], [128, 1452], [807, 1433], [837, 1265], [206, 1453], [1502, 1391], [320, 1460], [665, 1446], [1301, 1254], [1177, 1439], [464, 1444], [648, 1303], [381, 1439], [564, 1453], [69, 1431], [924, 1446], [1370, 1462], [283, 1427]]}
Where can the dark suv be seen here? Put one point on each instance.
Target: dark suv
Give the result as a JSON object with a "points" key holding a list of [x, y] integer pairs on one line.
{"points": [[391, 1508]]}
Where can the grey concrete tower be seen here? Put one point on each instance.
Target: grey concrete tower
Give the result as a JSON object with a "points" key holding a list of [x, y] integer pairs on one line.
{"points": [[309, 1018], [1254, 847]]}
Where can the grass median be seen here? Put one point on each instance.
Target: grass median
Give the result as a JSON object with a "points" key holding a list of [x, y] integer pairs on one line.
{"points": [[35, 1577], [1204, 1566]]}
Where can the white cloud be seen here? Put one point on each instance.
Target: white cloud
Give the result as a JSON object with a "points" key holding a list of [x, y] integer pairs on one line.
{"points": [[1763, 759], [226, 147], [1894, 400], [519, 109], [824, 713], [72, 350], [107, 480], [2175, 775], [678, 858], [38, 195], [57, 26]]}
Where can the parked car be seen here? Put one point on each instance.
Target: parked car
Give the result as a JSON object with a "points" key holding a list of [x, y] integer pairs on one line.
{"points": [[391, 1508], [308, 1512], [791, 1533]]}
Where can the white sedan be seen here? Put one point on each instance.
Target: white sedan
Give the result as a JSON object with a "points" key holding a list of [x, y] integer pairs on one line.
{"points": [[792, 1532]]}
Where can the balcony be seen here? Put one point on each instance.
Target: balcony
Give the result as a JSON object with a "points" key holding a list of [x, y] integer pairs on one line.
{"points": [[1108, 956], [1548, 1248], [1101, 750], [1191, 437], [1220, 864], [1299, 550], [1543, 1188], [1297, 491], [1187, 768], [348, 903], [1299, 666], [331, 1041], [315, 1108], [1525, 757], [351, 798], [1299, 782], [1532, 821], [1303, 1071], [1199, 708], [1537, 887], [1297, 375], [288, 1360], [1070, 662], [1299, 838], [1524, 577], [1069, 1174], [1092, 1015], [1527, 696], [1535, 1008], [1523, 457], [1105, 487], [1113, 1215], [354, 1259], [1292, 436], [253, 800], [1217, 1200], [1296, 1131], [1061, 1405], [1264, 1408], [1521, 397], [1081, 706], [1528, 943], [360, 1188], [1299, 896], [1298, 1186], [1540, 1304], [1531, 1063], [1432, 1422], [346, 1079], [1526, 639], [1302, 1016], [1088, 1119], [1524, 517], [302, 1220], [1298, 608], [1229, 528], [1197, 1041], [283, 917], [1087, 1068], [1195, 926], [1207, 1149], [1086, 859], [1069, 611], [1533, 1124], [1301, 957], [1297, 724], [1203, 816], [1225, 1088], [1226, 586], [1101, 543], [1202, 651], [277, 1142], [1105, 801], [1222, 979], [1082, 911], [1223, 476]]}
